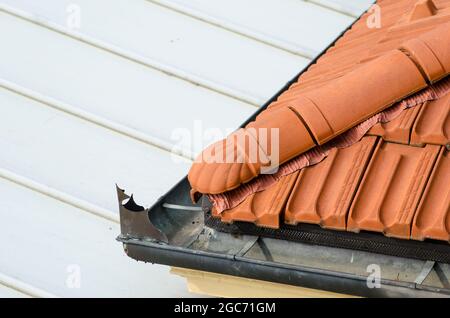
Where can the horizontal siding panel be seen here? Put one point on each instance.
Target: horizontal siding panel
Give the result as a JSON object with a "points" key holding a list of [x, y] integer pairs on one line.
{"points": [[304, 26], [14, 287], [6, 292], [166, 38], [352, 7], [94, 114], [109, 86], [79, 158], [53, 242]]}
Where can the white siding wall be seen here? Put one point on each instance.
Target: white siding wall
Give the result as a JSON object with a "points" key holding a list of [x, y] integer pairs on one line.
{"points": [[84, 108]]}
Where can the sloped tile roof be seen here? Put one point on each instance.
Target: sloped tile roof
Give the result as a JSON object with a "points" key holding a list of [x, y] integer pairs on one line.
{"points": [[395, 179]]}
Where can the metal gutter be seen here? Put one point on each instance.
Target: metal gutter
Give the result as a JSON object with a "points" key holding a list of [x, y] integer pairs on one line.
{"points": [[274, 272]]}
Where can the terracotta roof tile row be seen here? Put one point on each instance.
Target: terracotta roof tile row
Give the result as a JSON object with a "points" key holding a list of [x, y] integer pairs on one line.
{"points": [[309, 116], [426, 124], [399, 190], [362, 43], [396, 179], [230, 199]]}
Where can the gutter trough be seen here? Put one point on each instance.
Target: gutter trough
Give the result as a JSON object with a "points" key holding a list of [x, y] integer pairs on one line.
{"points": [[181, 238]]}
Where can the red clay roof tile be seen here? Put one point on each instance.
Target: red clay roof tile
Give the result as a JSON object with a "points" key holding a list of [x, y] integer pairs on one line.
{"points": [[423, 9], [433, 123], [376, 184], [263, 208], [306, 117], [391, 188], [323, 193], [362, 43], [399, 129], [432, 220]]}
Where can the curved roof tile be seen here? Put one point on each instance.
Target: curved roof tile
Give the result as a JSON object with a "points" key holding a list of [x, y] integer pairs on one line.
{"points": [[398, 183]]}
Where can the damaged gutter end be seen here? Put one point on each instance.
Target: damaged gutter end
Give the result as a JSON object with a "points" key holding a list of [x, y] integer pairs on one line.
{"points": [[135, 222]]}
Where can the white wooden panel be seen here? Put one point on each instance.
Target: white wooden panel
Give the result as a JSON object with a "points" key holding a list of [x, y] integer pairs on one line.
{"points": [[170, 39], [79, 158], [307, 27], [109, 86], [352, 7], [51, 242], [6, 292], [14, 287], [84, 160]]}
